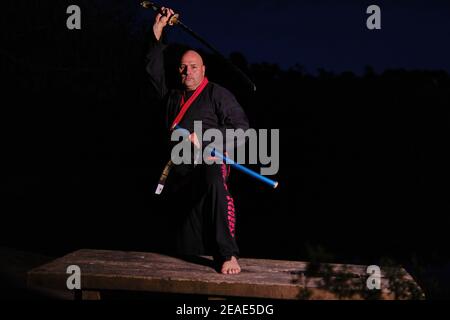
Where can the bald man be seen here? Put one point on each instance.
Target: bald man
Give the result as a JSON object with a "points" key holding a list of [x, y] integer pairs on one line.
{"points": [[202, 206]]}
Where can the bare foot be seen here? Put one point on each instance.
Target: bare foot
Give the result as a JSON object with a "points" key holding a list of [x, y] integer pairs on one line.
{"points": [[231, 266]]}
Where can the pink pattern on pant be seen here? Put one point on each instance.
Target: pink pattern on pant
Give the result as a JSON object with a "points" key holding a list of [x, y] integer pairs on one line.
{"points": [[230, 202]]}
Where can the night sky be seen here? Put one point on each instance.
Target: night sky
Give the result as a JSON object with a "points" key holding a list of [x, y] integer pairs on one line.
{"points": [[322, 34]]}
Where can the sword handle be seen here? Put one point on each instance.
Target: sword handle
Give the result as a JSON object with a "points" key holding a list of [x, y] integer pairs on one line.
{"points": [[150, 5]]}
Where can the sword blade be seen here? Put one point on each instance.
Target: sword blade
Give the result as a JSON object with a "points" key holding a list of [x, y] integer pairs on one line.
{"points": [[177, 21]]}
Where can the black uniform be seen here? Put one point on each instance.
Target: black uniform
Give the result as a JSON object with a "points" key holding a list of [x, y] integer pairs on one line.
{"points": [[205, 216]]}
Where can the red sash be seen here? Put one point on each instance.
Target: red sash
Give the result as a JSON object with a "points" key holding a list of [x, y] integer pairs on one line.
{"points": [[185, 105]]}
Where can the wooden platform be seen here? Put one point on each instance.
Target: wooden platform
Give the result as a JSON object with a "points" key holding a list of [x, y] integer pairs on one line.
{"points": [[102, 271]]}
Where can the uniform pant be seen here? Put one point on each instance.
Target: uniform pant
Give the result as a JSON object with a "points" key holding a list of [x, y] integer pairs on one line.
{"points": [[203, 210]]}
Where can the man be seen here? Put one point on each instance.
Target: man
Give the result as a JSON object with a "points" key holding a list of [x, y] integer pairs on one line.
{"points": [[205, 207]]}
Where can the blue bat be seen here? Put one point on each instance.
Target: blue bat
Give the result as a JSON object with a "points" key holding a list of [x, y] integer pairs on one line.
{"points": [[238, 166]]}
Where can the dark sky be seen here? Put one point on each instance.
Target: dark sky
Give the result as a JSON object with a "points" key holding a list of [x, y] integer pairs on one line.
{"points": [[322, 34]]}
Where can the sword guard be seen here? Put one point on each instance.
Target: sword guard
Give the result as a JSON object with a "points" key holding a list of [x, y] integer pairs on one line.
{"points": [[174, 19]]}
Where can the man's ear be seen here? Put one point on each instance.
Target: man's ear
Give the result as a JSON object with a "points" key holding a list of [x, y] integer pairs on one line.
{"points": [[204, 69]]}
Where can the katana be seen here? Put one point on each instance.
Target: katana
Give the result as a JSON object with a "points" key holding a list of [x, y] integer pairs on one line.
{"points": [[174, 20], [185, 134]]}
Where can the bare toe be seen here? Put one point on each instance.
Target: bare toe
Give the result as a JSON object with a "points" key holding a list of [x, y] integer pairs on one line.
{"points": [[231, 266]]}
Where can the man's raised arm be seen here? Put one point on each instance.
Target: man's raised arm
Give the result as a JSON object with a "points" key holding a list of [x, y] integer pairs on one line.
{"points": [[155, 57]]}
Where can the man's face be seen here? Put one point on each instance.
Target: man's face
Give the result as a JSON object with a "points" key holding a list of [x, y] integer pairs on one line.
{"points": [[192, 70]]}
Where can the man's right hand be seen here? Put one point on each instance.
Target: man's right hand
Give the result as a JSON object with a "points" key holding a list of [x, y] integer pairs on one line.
{"points": [[161, 20]]}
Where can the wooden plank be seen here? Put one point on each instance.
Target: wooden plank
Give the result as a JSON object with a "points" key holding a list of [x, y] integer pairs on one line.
{"points": [[139, 271]]}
